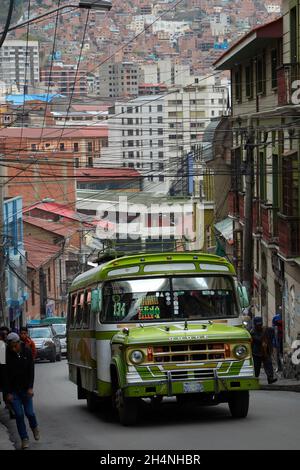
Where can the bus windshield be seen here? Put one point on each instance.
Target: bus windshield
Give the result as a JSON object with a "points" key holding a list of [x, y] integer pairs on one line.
{"points": [[169, 299]]}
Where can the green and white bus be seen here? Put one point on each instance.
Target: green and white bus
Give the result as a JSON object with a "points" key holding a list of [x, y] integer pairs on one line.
{"points": [[160, 325]]}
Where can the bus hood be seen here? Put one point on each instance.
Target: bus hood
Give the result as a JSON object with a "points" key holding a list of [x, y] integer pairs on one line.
{"points": [[179, 332]]}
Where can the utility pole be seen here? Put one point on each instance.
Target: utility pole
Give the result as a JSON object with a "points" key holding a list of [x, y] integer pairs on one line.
{"points": [[3, 319], [43, 293], [3, 316], [248, 214]]}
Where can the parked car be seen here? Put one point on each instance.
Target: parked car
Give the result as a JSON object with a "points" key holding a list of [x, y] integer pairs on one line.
{"points": [[47, 342], [61, 331]]}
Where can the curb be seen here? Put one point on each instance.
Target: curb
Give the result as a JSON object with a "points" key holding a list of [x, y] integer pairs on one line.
{"points": [[5, 442], [281, 388]]}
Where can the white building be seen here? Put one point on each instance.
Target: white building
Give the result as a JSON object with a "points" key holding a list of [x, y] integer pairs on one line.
{"points": [[19, 63], [171, 27], [154, 133], [139, 22], [166, 71], [273, 7]]}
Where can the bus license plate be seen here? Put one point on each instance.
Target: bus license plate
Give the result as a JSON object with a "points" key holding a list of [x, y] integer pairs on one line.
{"points": [[191, 387]]}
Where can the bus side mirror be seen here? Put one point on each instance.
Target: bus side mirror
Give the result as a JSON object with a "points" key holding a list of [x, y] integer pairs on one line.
{"points": [[96, 301], [243, 294]]}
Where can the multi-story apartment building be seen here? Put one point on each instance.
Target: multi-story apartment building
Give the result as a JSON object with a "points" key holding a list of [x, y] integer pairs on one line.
{"points": [[137, 139], [84, 144], [119, 79], [153, 133], [66, 78], [19, 64], [264, 68], [167, 71]]}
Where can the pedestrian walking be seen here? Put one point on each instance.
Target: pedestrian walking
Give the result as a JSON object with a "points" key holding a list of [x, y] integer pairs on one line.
{"points": [[25, 338], [18, 384], [278, 328], [262, 348], [2, 359]]}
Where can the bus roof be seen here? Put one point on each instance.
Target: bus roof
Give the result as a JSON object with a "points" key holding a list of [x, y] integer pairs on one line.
{"points": [[154, 264]]}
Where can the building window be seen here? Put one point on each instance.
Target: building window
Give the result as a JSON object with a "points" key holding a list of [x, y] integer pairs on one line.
{"points": [[49, 279], [160, 143], [76, 147], [90, 146], [160, 131], [61, 147], [160, 120], [33, 147], [249, 80], [262, 176], [160, 154], [159, 108], [238, 84], [260, 75], [90, 162], [290, 194], [293, 34], [274, 65], [32, 293]]}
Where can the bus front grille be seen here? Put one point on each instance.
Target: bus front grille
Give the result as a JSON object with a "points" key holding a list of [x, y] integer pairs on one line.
{"points": [[189, 352]]}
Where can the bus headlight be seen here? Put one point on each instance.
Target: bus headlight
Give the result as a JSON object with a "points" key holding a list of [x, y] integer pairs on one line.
{"points": [[136, 357], [240, 351]]}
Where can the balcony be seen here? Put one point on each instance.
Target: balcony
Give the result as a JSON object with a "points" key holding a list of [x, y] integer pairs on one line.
{"points": [[255, 216], [233, 203], [241, 206], [269, 222], [287, 74], [236, 204], [289, 236]]}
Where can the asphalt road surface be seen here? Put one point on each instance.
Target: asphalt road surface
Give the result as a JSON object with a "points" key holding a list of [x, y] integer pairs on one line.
{"points": [[65, 423]]}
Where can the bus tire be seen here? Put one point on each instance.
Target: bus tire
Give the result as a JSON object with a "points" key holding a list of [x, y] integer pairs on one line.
{"points": [[92, 401], [239, 404], [127, 408]]}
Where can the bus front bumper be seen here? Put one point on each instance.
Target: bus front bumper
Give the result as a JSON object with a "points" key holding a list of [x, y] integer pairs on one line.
{"points": [[178, 382]]}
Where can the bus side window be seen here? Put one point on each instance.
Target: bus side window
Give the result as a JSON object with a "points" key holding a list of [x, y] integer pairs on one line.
{"points": [[87, 309], [80, 306], [73, 309]]}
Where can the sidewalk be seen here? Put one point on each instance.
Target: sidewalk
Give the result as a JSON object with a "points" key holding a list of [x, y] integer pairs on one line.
{"points": [[5, 442], [282, 384]]}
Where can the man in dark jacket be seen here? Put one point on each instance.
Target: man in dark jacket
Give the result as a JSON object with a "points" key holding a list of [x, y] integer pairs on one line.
{"points": [[18, 384], [262, 344]]}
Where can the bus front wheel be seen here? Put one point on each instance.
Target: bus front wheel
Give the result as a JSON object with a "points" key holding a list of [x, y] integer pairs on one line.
{"points": [[92, 401], [127, 408], [239, 404]]}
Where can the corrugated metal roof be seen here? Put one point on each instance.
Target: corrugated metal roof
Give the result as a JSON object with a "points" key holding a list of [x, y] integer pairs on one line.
{"points": [[225, 227], [53, 133], [19, 99], [39, 252]]}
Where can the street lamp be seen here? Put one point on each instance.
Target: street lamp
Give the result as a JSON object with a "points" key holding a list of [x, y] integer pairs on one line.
{"points": [[97, 5]]}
